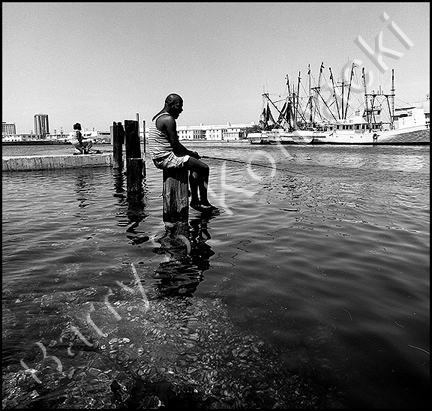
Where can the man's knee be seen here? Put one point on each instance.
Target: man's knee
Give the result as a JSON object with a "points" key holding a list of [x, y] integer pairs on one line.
{"points": [[198, 166], [201, 172]]}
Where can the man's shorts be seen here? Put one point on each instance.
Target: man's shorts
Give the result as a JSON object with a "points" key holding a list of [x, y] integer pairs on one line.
{"points": [[171, 161]]}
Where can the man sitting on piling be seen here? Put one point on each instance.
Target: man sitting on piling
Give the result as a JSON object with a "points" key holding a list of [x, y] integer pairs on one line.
{"points": [[167, 152], [79, 142]]}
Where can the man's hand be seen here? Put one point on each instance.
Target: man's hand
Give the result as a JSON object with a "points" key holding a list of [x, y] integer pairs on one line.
{"points": [[195, 155]]}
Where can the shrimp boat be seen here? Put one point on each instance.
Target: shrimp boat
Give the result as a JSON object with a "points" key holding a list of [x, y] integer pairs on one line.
{"points": [[359, 130], [376, 121], [271, 130], [294, 124], [258, 138]]}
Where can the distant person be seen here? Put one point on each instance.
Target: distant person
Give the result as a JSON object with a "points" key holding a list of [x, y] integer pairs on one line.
{"points": [[78, 140], [167, 152]]}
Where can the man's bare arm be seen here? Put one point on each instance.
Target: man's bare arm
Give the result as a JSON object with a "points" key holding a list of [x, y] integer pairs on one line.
{"points": [[169, 127]]}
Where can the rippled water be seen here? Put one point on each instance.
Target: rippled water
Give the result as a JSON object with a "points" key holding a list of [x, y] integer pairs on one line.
{"points": [[322, 251]]}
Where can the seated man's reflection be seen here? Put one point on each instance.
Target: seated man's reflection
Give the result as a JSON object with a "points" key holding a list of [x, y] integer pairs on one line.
{"points": [[188, 257]]}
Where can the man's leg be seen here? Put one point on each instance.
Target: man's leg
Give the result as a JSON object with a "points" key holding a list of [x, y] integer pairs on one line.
{"points": [[193, 184], [199, 177]]}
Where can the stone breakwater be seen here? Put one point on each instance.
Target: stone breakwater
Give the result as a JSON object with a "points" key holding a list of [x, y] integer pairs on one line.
{"points": [[30, 163]]}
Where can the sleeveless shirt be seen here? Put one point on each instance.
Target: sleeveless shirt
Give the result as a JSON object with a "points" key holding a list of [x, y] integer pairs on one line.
{"points": [[159, 145]]}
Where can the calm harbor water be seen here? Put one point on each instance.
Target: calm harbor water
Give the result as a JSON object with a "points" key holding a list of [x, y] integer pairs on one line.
{"points": [[321, 251]]}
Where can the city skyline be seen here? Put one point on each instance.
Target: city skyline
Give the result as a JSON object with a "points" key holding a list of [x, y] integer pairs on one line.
{"points": [[119, 59]]}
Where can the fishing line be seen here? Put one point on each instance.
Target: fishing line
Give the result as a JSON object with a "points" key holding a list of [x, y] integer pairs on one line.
{"points": [[255, 164]]}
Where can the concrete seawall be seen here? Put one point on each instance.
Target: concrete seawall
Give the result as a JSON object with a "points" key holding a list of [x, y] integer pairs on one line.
{"points": [[54, 162]]}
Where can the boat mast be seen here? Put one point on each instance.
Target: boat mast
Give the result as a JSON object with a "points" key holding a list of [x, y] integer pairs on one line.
{"points": [[393, 99], [310, 96], [349, 90], [317, 89], [289, 106], [334, 93], [366, 97], [342, 103], [298, 97], [274, 105]]}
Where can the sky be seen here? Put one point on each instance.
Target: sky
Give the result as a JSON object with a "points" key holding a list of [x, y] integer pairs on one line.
{"points": [[97, 63]]}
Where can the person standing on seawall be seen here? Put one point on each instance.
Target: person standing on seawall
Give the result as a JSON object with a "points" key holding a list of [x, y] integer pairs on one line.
{"points": [[79, 142], [167, 152]]}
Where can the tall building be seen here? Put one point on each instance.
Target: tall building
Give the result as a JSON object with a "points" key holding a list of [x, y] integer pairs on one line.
{"points": [[8, 129], [41, 125]]}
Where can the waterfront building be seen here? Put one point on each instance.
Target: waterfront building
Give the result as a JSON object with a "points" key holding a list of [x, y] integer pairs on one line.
{"points": [[41, 125], [226, 132], [17, 137], [191, 133], [8, 129]]}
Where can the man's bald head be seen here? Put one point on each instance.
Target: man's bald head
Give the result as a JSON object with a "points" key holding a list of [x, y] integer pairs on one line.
{"points": [[173, 99], [174, 105]]}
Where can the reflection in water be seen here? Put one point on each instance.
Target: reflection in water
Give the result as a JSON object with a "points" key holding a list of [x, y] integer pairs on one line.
{"points": [[84, 186], [135, 207], [118, 183], [188, 256], [135, 214]]}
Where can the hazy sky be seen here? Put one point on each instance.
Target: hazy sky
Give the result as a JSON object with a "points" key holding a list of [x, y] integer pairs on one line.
{"points": [[97, 62]]}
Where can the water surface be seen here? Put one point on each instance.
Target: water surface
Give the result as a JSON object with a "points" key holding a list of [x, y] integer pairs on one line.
{"points": [[321, 251]]}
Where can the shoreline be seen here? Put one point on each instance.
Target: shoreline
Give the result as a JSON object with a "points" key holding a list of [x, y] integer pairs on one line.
{"points": [[36, 143]]}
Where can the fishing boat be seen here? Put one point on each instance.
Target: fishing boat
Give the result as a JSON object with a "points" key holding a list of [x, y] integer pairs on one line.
{"points": [[295, 122], [271, 130], [258, 138], [376, 121], [358, 130], [316, 120]]}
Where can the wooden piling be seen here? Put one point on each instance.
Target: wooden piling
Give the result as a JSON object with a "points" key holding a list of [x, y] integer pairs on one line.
{"points": [[134, 161], [144, 148], [144, 139], [134, 175], [117, 139], [175, 194], [133, 149]]}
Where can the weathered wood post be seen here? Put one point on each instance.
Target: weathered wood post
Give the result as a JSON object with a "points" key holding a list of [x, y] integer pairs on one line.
{"points": [[134, 175], [144, 139], [132, 139], [175, 195], [144, 150], [134, 161], [117, 138]]}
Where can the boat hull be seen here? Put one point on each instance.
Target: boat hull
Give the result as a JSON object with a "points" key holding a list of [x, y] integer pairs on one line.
{"points": [[258, 138], [271, 137], [372, 137], [303, 136], [280, 136]]}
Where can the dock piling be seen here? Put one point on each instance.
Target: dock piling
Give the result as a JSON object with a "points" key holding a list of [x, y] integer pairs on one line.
{"points": [[117, 142], [134, 175], [133, 149], [175, 194]]}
